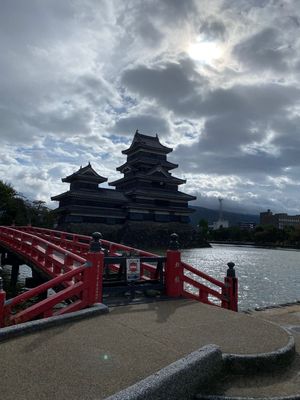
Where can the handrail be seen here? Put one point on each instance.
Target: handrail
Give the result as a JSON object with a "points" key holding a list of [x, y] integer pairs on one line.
{"points": [[204, 291], [53, 246], [46, 305], [62, 256], [203, 275], [79, 277], [77, 237], [43, 287], [77, 243], [40, 250], [200, 286]]}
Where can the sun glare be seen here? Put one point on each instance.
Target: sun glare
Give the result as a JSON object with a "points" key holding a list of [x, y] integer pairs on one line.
{"points": [[206, 52]]}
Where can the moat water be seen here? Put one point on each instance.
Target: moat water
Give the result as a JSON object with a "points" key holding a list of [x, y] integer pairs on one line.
{"points": [[266, 276]]}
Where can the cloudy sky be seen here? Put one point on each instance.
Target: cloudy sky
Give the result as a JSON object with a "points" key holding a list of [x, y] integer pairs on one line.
{"points": [[217, 80]]}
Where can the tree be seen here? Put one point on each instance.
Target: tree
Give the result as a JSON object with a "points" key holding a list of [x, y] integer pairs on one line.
{"points": [[203, 229], [8, 203], [15, 208]]}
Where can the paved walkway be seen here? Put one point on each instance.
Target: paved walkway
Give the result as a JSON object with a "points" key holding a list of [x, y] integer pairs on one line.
{"points": [[97, 357], [282, 383]]}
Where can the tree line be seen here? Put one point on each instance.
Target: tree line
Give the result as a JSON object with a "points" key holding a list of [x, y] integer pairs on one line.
{"points": [[17, 209], [260, 235]]}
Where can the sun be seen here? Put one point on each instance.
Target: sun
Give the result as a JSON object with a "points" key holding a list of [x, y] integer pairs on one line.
{"points": [[207, 52]]}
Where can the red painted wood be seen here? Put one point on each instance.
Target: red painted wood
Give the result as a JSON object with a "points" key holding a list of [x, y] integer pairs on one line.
{"points": [[2, 308], [174, 274], [64, 258], [202, 288], [47, 304]]}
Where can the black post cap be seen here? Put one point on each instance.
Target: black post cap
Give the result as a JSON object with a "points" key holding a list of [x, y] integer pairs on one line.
{"points": [[95, 244], [231, 270], [174, 244]]}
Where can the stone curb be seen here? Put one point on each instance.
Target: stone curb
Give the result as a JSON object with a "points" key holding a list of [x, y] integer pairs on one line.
{"points": [[211, 397], [38, 325], [179, 380], [271, 307], [250, 363]]}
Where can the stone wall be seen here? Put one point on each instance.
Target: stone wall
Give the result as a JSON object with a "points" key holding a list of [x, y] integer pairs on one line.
{"points": [[149, 235]]}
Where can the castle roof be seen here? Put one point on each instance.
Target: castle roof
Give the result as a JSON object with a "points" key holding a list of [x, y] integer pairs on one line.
{"points": [[101, 194], [148, 161], [149, 177], [146, 142], [163, 194], [86, 173]]}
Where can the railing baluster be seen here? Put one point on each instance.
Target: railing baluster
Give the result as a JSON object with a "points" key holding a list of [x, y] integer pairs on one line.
{"points": [[2, 303]]}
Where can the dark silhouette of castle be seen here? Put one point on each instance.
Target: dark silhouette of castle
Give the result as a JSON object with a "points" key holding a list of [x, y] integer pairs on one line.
{"points": [[146, 192]]}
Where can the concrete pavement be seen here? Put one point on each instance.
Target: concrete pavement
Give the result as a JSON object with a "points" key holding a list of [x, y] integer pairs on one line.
{"points": [[283, 383], [96, 357]]}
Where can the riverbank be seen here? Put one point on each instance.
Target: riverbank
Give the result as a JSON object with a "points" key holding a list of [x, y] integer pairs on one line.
{"points": [[255, 244]]}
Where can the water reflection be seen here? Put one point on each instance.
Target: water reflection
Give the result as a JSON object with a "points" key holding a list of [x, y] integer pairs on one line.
{"points": [[24, 272]]}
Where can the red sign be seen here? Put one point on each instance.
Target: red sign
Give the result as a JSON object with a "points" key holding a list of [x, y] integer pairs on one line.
{"points": [[133, 267]]}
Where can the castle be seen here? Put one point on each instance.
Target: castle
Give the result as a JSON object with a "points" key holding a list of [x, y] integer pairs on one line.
{"points": [[146, 192]]}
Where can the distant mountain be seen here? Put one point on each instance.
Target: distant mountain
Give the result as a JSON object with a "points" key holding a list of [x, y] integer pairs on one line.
{"points": [[213, 215]]}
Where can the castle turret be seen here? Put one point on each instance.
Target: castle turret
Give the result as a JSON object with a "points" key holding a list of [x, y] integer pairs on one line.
{"points": [[151, 189], [86, 202]]}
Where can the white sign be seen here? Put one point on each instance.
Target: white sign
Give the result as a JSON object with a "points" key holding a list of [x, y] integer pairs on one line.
{"points": [[133, 268]]}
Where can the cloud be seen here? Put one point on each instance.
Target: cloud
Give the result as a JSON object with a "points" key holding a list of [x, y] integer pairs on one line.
{"points": [[62, 121], [213, 29], [78, 78], [264, 50], [176, 86], [146, 123]]}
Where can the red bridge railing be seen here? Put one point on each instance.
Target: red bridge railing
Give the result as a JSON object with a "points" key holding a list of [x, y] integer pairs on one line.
{"points": [[184, 280], [77, 280], [79, 244], [76, 273]]}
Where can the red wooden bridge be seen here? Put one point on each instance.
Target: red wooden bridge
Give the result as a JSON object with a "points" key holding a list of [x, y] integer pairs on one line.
{"points": [[83, 270]]}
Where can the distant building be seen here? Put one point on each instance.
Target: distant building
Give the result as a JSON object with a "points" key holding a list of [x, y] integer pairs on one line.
{"points": [[146, 192], [280, 220], [220, 224], [247, 226]]}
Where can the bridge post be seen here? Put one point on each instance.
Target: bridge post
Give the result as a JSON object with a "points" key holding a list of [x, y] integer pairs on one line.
{"points": [[2, 303], [174, 269], [15, 267], [95, 261], [231, 284]]}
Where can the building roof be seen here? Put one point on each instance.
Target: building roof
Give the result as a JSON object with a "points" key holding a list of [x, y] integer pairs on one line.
{"points": [[147, 142], [99, 194], [148, 177], [92, 211], [148, 161], [162, 194], [86, 173], [168, 209]]}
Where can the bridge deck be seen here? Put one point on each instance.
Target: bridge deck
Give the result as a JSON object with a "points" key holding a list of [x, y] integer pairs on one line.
{"points": [[95, 358]]}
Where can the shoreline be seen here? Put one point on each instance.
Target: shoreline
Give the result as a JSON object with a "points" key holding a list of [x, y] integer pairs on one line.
{"points": [[253, 244], [271, 307]]}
